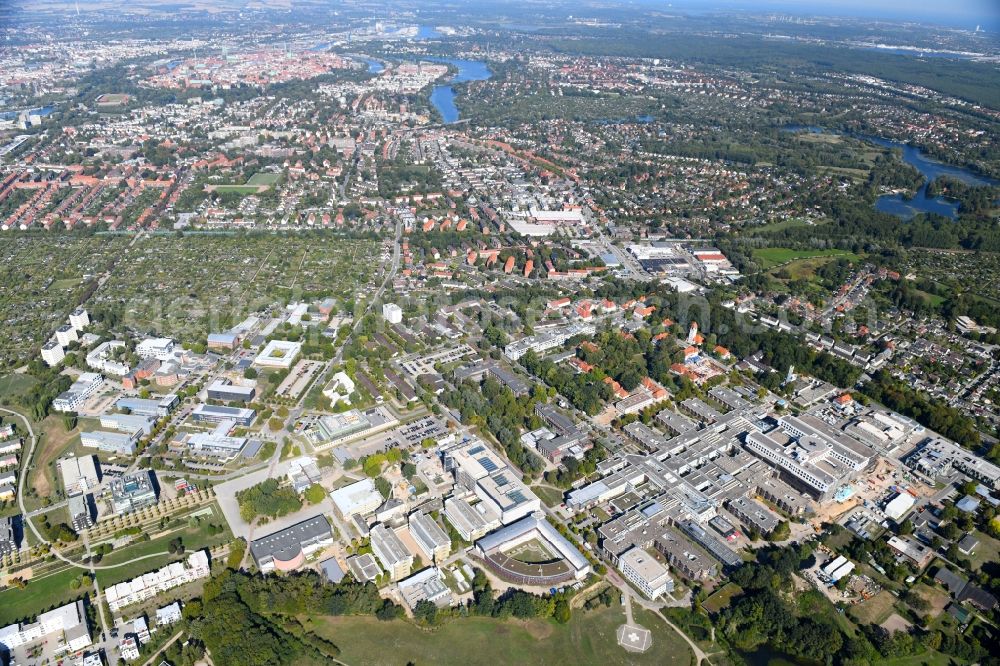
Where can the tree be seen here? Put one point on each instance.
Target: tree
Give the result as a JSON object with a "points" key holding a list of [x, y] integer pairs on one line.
{"points": [[562, 612], [781, 532], [315, 494]]}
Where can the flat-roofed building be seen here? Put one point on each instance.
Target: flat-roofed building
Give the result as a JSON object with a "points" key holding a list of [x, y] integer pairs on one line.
{"points": [[754, 515], [79, 474], [678, 424], [815, 456], [278, 354], [391, 552], [426, 585], [493, 549], [218, 443], [102, 358], [429, 536], [701, 410], [937, 457], [69, 622], [470, 521], [158, 407], [139, 589], [223, 341], [243, 416], [684, 556], [8, 535], [79, 319], [132, 492], [287, 549], [129, 423], [645, 572], [359, 498], [231, 392], [52, 353], [119, 443], [508, 496], [364, 567], [86, 385], [66, 334], [159, 348], [517, 385], [81, 514]]}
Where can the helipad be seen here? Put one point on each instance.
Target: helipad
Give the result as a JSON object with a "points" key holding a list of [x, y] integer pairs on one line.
{"points": [[634, 638]]}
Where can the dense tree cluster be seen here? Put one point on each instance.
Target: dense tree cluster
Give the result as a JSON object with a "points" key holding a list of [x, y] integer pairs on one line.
{"points": [[248, 620], [496, 409], [935, 414], [267, 498]]}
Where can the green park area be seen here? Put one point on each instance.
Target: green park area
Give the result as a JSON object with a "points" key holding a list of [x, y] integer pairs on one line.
{"points": [[193, 537], [588, 638], [256, 184], [770, 257], [263, 178], [48, 590]]}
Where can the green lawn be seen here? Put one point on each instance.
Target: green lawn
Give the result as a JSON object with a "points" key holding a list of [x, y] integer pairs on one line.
{"points": [[874, 610], [262, 178], [15, 384], [551, 496], [240, 189], [194, 538], [926, 658], [41, 594], [721, 597], [588, 638], [780, 225], [769, 257], [988, 550]]}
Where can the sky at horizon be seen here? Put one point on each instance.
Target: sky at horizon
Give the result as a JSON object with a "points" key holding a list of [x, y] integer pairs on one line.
{"points": [[958, 13]]}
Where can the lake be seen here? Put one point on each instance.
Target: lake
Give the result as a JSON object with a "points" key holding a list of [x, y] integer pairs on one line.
{"points": [[443, 96], [374, 66], [929, 168]]}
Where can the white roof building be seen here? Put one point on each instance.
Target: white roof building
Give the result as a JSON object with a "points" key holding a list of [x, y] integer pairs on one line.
{"points": [[278, 354], [360, 498]]}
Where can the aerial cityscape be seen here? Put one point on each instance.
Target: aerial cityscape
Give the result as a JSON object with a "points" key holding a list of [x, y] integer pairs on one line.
{"points": [[414, 332]]}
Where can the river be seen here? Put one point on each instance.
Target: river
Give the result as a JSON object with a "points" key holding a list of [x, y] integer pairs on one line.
{"points": [[929, 168], [443, 96]]}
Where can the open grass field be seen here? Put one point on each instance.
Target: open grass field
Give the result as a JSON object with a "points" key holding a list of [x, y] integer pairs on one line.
{"points": [[551, 496], [769, 257], [926, 658], [262, 178], [988, 550], [938, 598], [194, 538], [41, 594], [239, 189], [721, 597], [874, 610], [588, 638], [55, 439], [804, 269], [14, 384]]}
